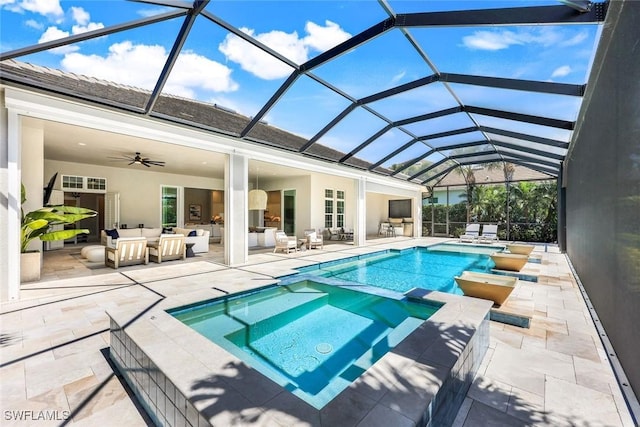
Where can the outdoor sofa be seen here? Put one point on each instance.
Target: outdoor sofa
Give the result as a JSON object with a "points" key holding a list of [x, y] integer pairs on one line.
{"points": [[200, 237]]}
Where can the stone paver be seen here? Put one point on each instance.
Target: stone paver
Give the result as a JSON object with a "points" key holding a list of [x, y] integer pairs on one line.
{"points": [[54, 347]]}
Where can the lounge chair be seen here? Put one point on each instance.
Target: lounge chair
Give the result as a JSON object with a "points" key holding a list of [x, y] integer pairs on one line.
{"points": [[471, 233], [127, 251], [168, 247], [285, 243], [507, 261], [494, 287], [313, 239], [489, 233]]}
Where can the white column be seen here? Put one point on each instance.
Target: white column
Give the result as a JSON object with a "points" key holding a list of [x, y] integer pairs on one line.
{"points": [[360, 231], [236, 223], [10, 210], [417, 216], [32, 171]]}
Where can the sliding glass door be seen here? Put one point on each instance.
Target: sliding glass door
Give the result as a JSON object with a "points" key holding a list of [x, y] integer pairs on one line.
{"points": [[289, 218]]}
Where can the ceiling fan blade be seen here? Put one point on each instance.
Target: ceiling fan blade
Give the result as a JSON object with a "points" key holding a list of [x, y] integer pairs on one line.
{"points": [[137, 159]]}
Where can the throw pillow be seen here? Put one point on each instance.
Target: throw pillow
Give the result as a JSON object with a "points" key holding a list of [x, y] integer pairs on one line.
{"points": [[199, 232], [312, 236], [112, 233], [192, 233]]}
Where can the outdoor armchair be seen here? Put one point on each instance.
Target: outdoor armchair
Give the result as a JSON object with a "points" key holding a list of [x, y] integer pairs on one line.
{"points": [[127, 251], [169, 247], [285, 243], [313, 239]]}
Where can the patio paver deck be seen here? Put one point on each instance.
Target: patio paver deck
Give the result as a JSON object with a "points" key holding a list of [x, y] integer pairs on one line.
{"points": [[54, 343]]}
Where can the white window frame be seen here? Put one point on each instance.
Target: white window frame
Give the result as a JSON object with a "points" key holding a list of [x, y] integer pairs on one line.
{"points": [[84, 184], [333, 202]]}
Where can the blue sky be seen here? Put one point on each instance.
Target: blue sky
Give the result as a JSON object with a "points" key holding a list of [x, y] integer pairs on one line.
{"points": [[218, 67]]}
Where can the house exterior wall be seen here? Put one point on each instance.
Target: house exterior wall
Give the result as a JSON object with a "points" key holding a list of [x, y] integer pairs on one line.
{"points": [[18, 104], [377, 211], [140, 201], [602, 183], [319, 183]]}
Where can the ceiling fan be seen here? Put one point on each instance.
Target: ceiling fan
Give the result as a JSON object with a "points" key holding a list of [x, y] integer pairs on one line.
{"points": [[139, 160]]}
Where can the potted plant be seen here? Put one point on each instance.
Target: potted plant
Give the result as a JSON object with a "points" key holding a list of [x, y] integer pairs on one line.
{"points": [[38, 225]]}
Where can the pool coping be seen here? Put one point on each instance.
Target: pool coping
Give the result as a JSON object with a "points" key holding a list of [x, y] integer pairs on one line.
{"points": [[182, 378]]}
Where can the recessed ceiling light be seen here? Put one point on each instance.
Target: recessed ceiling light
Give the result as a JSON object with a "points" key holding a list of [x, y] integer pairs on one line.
{"points": [[81, 143]]}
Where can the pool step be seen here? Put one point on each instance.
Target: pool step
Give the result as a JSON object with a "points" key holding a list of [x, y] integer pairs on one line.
{"points": [[265, 317]]}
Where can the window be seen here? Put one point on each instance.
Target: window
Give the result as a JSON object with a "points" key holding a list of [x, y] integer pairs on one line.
{"points": [[72, 182], [84, 183], [334, 204], [169, 206], [340, 209], [328, 208], [97, 184]]}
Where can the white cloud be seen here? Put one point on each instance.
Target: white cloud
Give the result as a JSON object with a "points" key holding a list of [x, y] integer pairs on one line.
{"points": [[290, 45], [502, 39], [259, 63], [140, 66], [32, 23], [324, 38], [490, 40], [54, 33], [561, 71], [80, 16], [42, 7], [78, 29], [154, 11], [395, 79], [9, 5], [575, 40], [83, 24]]}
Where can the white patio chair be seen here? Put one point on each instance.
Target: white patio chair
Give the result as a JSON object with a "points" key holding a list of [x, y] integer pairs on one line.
{"points": [[489, 233], [127, 251], [471, 233], [285, 243], [168, 247], [313, 239]]}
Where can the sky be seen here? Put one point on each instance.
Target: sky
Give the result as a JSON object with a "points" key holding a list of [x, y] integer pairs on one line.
{"points": [[218, 67]]}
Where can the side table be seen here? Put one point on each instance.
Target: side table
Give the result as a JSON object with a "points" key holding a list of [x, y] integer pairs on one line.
{"points": [[190, 253]]}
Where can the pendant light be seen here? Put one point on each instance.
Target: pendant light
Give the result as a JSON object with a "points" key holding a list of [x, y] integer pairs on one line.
{"points": [[257, 198]]}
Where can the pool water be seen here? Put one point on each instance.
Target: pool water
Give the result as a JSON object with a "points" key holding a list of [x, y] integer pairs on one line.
{"points": [[311, 338], [432, 268]]}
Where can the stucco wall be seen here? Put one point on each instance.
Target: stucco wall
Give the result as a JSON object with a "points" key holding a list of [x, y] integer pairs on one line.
{"points": [[139, 189]]}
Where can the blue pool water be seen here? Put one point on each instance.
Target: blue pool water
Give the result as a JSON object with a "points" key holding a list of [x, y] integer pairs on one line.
{"points": [[431, 268], [312, 338]]}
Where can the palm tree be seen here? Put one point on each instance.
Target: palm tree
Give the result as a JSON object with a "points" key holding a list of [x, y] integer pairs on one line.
{"points": [[508, 170], [470, 181]]}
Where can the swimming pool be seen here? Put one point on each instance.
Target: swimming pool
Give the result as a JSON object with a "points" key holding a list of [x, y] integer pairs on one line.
{"points": [[311, 338], [431, 268]]}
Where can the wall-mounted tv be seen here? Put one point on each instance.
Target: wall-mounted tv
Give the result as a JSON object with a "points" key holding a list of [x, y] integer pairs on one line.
{"points": [[400, 208]]}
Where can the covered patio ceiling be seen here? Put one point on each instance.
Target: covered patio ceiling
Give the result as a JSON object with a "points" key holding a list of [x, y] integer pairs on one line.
{"points": [[411, 90]]}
